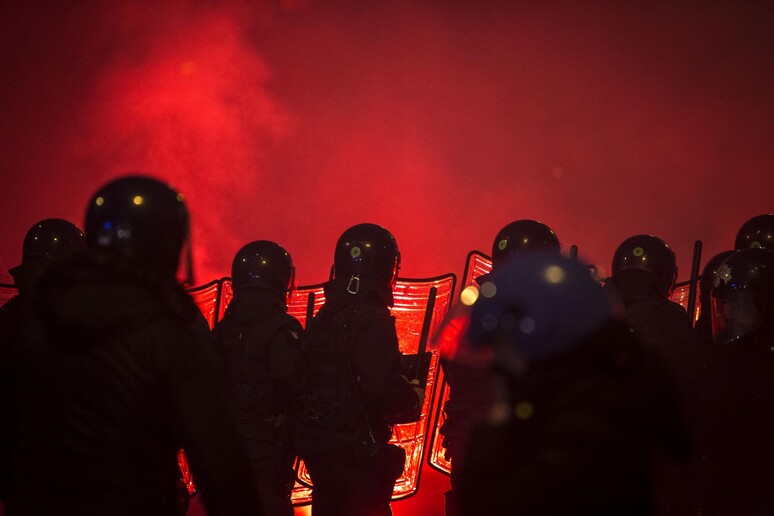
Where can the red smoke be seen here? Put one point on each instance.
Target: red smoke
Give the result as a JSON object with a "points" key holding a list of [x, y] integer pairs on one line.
{"points": [[443, 123]]}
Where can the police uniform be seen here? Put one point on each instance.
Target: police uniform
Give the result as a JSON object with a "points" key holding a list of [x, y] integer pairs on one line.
{"points": [[355, 393], [470, 387], [581, 435], [738, 421], [585, 402], [261, 350], [46, 241], [114, 374]]}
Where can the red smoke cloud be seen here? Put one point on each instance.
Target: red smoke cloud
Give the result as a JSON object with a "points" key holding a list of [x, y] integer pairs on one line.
{"points": [[293, 121]]}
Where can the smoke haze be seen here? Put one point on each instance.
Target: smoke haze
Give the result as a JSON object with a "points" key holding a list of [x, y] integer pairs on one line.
{"points": [[442, 121]]}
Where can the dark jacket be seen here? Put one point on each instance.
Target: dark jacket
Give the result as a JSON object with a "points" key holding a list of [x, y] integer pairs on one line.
{"points": [[114, 374], [736, 428], [581, 436], [11, 318], [354, 364], [470, 398], [260, 345]]}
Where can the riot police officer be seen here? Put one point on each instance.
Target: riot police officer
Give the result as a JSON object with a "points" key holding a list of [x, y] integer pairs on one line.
{"points": [[644, 271], [114, 375], [740, 420], [261, 350], [585, 401], [46, 241], [470, 389], [355, 387]]}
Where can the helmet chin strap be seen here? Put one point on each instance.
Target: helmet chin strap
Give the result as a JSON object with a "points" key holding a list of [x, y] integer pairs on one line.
{"points": [[353, 287]]}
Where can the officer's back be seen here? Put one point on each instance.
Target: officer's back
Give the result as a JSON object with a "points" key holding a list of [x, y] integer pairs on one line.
{"points": [[259, 343], [355, 388], [115, 373]]}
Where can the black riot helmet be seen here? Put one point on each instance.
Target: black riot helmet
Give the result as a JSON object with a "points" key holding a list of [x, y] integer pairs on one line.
{"points": [[649, 254], [756, 232], [47, 240], [263, 265], [522, 236], [366, 250], [743, 296], [139, 219], [52, 239]]}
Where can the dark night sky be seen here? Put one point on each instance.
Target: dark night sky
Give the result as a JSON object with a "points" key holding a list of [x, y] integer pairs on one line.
{"points": [[442, 121]]}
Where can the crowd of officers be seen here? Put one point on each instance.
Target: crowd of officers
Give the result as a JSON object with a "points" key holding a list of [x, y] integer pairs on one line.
{"points": [[593, 399]]}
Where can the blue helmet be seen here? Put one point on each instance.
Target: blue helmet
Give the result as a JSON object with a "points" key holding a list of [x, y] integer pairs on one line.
{"points": [[540, 303]]}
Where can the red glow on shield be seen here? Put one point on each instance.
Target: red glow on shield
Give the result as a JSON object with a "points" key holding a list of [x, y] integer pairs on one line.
{"points": [[680, 296], [411, 302], [412, 322], [449, 340]]}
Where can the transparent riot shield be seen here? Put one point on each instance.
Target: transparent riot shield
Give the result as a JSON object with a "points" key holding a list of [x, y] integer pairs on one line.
{"points": [[680, 296], [303, 305], [477, 265], [209, 300], [305, 302], [420, 306]]}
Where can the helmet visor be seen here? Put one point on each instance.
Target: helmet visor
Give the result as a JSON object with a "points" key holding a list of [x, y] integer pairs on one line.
{"points": [[735, 315]]}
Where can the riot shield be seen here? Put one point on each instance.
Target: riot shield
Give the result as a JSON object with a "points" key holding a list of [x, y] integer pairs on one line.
{"points": [[413, 321], [681, 294], [477, 265], [209, 300]]}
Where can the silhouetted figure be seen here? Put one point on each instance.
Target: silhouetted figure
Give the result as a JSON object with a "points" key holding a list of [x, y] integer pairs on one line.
{"points": [[261, 349], [355, 388], [580, 405], [114, 374], [644, 271], [470, 389], [739, 419], [46, 241]]}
